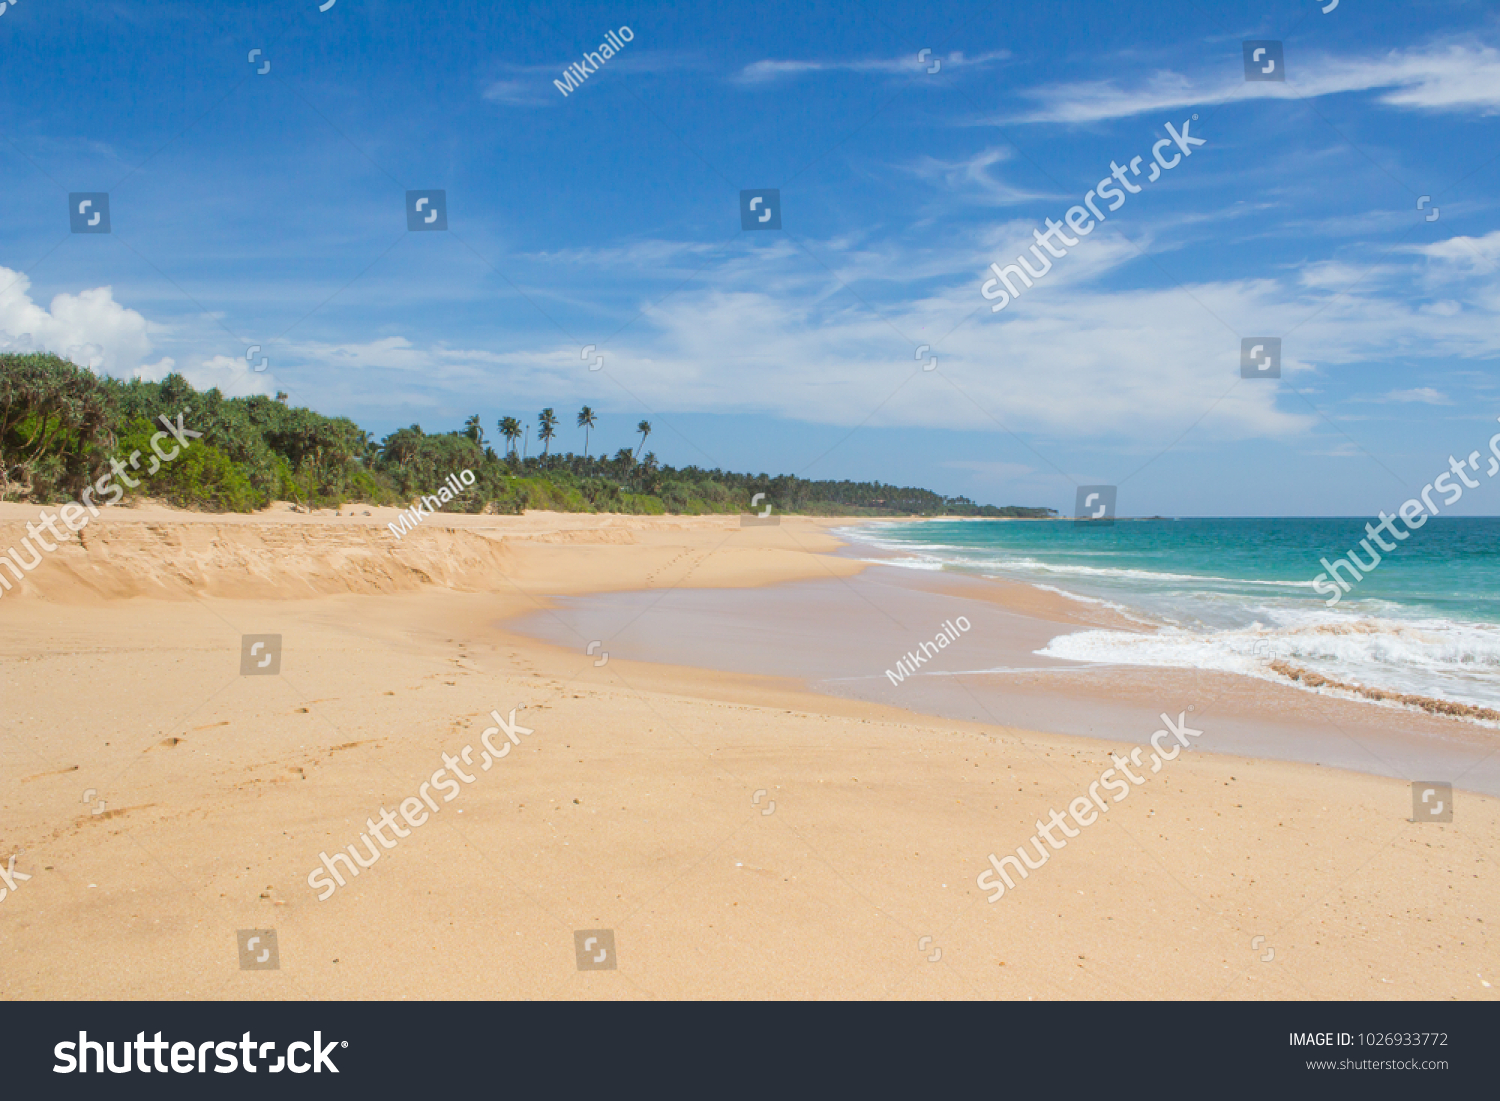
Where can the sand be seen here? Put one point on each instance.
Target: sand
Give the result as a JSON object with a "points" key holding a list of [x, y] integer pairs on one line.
{"points": [[741, 835]]}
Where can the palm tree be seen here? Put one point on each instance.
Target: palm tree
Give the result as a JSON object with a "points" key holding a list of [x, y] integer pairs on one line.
{"points": [[586, 422], [547, 428], [474, 430], [644, 428], [510, 428]]}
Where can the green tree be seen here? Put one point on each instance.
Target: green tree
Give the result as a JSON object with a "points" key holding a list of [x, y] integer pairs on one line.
{"points": [[53, 417], [401, 446], [510, 428], [60, 425], [586, 422], [474, 430], [547, 428]]}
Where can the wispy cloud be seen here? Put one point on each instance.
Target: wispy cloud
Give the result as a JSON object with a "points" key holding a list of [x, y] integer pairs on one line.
{"points": [[519, 93], [531, 85], [1426, 395], [972, 177], [1477, 254], [766, 72], [1448, 77], [1076, 359]]}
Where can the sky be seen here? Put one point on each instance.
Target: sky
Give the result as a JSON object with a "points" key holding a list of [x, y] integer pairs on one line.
{"points": [[1347, 210]]}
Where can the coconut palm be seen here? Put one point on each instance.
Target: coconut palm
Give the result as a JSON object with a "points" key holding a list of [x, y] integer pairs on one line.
{"points": [[546, 428], [586, 422], [644, 428], [474, 430], [510, 428]]}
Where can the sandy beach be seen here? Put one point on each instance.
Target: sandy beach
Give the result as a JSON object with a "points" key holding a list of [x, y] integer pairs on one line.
{"points": [[728, 782]]}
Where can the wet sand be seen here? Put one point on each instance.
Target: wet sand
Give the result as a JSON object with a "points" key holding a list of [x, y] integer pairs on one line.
{"points": [[844, 636]]}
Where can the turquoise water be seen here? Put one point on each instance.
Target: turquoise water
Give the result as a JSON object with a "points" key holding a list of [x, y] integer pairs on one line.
{"points": [[1235, 594]]}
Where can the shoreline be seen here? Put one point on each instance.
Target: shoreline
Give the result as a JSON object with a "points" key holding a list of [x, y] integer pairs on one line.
{"points": [[1288, 672], [993, 675]]}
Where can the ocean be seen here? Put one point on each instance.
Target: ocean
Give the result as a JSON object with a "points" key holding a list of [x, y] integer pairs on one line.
{"points": [[1237, 595]]}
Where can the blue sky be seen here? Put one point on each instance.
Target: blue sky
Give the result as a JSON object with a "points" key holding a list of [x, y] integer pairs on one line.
{"points": [[269, 209]]}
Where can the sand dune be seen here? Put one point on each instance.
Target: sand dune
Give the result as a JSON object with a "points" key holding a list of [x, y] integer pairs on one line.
{"points": [[165, 553]]}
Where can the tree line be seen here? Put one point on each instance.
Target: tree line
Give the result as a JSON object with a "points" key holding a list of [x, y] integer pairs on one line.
{"points": [[60, 425]]}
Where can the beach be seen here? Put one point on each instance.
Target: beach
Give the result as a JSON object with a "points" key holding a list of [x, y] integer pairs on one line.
{"points": [[729, 782]]}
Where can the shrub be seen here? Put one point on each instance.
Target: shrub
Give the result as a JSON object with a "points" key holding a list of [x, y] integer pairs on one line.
{"points": [[200, 477]]}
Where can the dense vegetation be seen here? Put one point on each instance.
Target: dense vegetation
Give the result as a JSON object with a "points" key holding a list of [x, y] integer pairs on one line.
{"points": [[61, 426]]}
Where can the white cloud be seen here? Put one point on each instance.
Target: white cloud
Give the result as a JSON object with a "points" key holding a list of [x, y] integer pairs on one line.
{"points": [[1065, 360], [1091, 101], [1426, 395], [660, 256], [1451, 77], [1072, 361], [531, 85], [234, 378], [93, 330], [1477, 254], [518, 93], [90, 328], [972, 176], [768, 71]]}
